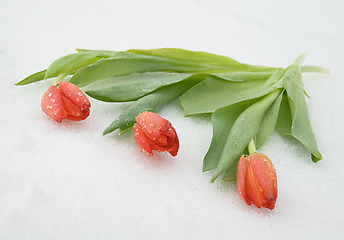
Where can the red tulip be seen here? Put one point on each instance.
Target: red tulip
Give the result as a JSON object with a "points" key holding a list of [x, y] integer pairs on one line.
{"points": [[257, 180], [65, 101], [152, 132]]}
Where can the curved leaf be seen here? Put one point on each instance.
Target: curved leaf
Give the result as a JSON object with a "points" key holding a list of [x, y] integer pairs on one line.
{"points": [[301, 127], [222, 120], [38, 76], [152, 102], [268, 122], [186, 55], [70, 63], [133, 86], [284, 121], [99, 53], [67, 65], [243, 76], [200, 56], [243, 131], [215, 93], [125, 63]]}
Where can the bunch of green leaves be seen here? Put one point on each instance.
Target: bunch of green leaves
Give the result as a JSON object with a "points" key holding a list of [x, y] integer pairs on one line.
{"points": [[246, 101], [148, 78], [251, 110]]}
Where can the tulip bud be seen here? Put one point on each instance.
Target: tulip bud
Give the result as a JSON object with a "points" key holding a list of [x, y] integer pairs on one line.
{"points": [[257, 180], [65, 101], [152, 132]]}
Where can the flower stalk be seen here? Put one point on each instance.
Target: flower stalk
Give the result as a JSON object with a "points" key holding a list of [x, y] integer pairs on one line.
{"points": [[251, 147]]}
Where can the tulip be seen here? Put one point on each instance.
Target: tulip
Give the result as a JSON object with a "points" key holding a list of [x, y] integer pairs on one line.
{"points": [[152, 132], [65, 101], [257, 180]]}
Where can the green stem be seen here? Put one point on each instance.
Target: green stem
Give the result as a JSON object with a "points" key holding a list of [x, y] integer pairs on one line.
{"points": [[59, 78], [251, 147], [316, 69]]}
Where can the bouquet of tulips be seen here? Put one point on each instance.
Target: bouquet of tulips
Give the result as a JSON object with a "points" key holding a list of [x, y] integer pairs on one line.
{"points": [[246, 102]]}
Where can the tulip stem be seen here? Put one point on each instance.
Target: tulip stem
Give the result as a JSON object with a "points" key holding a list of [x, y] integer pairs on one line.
{"points": [[59, 78], [251, 147]]}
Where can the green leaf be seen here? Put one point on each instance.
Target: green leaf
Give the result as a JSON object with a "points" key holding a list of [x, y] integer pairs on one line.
{"points": [[99, 53], [230, 174], [284, 122], [215, 92], [38, 76], [222, 120], [201, 57], [133, 86], [242, 132], [152, 102], [68, 65], [269, 122], [71, 63], [125, 129], [186, 55], [125, 63], [243, 76], [301, 127]]}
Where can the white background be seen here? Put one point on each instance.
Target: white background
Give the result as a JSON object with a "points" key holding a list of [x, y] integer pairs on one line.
{"points": [[67, 181]]}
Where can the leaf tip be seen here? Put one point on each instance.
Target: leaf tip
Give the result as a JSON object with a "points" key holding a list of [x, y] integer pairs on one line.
{"points": [[216, 174], [316, 159], [79, 50], [107, 131]]}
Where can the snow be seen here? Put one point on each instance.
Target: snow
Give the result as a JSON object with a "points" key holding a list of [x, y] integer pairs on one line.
{"points": [[67, 181]]}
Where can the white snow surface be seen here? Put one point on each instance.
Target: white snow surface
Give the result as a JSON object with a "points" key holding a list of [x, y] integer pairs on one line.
{"points": [[67, 181]]}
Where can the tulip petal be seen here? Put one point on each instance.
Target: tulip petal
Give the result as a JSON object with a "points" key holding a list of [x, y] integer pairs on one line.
{"points": [[171, 134], [266, 175], [74, 94], [52, 104], [253, 189], [162, 140], [152, 124], [73, 111], [155, 146], [141, 140], [173, 143], [174, 150], [159, 133], [241, 179]]}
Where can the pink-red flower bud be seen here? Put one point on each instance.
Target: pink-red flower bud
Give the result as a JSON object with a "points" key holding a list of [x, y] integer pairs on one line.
{"points": [[152, 132], [257, 180], [65, 101]]}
